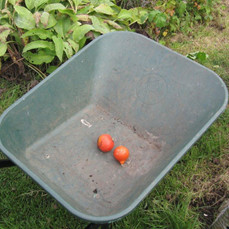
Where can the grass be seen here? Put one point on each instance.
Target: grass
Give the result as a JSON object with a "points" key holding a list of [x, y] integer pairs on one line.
{"points": [[9, 92], [189, 195]]}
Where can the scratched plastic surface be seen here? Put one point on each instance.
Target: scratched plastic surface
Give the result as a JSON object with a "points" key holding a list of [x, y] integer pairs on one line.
{"points": [[147, 97]]}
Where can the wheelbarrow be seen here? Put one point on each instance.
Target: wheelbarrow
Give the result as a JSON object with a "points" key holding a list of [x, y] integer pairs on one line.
{"points": [[153, 100]]}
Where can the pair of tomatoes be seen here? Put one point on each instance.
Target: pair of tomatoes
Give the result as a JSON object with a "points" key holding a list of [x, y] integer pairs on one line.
{"points": [[105, 143]]}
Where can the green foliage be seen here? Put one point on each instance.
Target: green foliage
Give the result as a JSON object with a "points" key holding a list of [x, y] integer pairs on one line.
{"points": [[51, 31], [24, 18], [177, 15], [158, 18], [45, 30], [199, 56]]}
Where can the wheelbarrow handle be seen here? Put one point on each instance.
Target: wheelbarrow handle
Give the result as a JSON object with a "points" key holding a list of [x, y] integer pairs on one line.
{"points": [[4, 163]]}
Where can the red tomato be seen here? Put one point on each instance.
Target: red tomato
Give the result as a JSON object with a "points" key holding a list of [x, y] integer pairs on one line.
{"points": [[105, 143], [121, 153]]}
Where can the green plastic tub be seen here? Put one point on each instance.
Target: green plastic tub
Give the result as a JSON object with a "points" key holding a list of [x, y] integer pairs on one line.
{"points": [[152, 100]]}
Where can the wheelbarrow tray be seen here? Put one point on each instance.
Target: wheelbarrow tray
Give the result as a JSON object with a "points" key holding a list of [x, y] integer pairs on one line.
{"points": [[152, 100]]}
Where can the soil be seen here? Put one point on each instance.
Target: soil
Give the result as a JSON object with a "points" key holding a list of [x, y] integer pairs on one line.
{"points": [[215, 191], [13, 67], [11, 71]]}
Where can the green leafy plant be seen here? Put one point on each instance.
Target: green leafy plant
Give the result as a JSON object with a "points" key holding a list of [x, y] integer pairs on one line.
{"points": [[182, 15], [198, 56], [48, 32]]}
